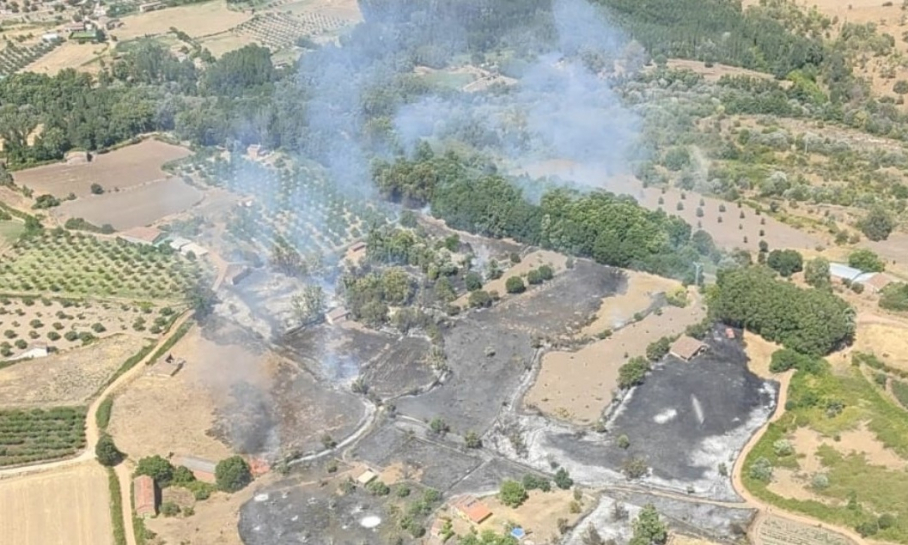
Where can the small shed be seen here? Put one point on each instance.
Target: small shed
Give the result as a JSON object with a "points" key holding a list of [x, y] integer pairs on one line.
{"points": [[37, 350], [178, 242], [196, 250], [144, 496], [50, 37], [202, 469], [877, 282], [686, 348], [366, 477], [337, 315], [471, 509], [518, 533], [142, 235], [77, 157], [167, 367], [843, 273]]}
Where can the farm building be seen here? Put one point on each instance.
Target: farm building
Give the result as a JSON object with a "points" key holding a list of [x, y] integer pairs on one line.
{"points": [[178, 242], [337, 315], [37, 350], [872, 280], [258, 466], [150, 6], [142, 235], [366, 477], [77, 157], [437, 529], [50, 37], [167, 367], [471, 509], [196, 250], [69, 28], [202, 469], [145, 498], [237, 273], [686, 348], [87, 36]]}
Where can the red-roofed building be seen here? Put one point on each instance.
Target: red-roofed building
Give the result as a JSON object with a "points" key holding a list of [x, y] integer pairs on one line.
{"points": [[144, 496], [471, 509]]}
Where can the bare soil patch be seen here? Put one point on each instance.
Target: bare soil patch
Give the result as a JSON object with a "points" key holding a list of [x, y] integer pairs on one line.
{"points": [[125, 167], [759, 354], [69, 378], [63, 506], [716, 71], [195, 20], [856, 441], [773, 530], [619, 309], [789, 483], [68, 55], [578, 386], [133, 207]]}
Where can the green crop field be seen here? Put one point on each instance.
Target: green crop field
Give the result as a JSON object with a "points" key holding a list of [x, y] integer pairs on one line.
{"points": [[70, 264], [28, 436]]}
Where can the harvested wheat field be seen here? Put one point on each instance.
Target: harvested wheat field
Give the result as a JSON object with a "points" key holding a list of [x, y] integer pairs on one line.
{"points": [[69, 55], [67, 378], [196, 20], [226, 42], [125, 167], [65, 506], [135, 206], [158, 415], [619, 309], [531, 261], [578, 386]]}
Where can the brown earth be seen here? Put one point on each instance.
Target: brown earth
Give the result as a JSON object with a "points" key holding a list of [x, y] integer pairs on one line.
{"points": [[759, 352], [61, 506], [716, 71], [67, 378], [156, 415], [620, 309], [578, 386], [69, 55], [120, 169], [133, 207], [195, 20]]}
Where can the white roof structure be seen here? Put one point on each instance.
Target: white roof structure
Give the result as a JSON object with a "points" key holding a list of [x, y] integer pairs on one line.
{"points": [[844, 272], [178, 242], [194, 248]]}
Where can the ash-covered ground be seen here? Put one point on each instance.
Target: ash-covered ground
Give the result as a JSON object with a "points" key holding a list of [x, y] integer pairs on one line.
{"points": [[683, 422]]}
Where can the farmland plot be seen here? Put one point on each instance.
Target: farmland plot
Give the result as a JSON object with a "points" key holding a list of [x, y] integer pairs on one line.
{"points": [[126, 167], [301, 206], [36, 435], [76, 265], [135, 206], [280, 30], [64, 506]]}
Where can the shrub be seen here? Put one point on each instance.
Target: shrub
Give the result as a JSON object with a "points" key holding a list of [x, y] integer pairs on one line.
{"points": [[563, 479], [170, 509], [820, 481], [624, 442], [514, 284], [480, 299], [378, 488], [532, 482], [658, 349], [894, 297], [886, 521], [157, 468], [783, 447], [633, 372], [97, 327], [472, 440], [107, 452], [546, 272], [232, 474], [53, 336], [473, 281], [866, 260], [761, 470], [71, 336], [634, 468], [96, 189], [512, 493], [534, 278]]}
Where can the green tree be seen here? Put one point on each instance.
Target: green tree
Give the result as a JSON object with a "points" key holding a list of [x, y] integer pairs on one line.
{"points": [[512, 493], [473, 281], [157, 468], [480, 299], [633, 372], [877, 224], [472, 440], [649, 528], [107, 452], [866, 260], [785, 262], [514, 284], [563, 479], [309, 306], [816, 272], [232, 474]]}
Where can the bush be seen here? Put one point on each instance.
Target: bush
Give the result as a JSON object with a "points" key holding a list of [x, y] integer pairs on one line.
{"points": [[71, 336], [182, 475], [480, 299], [546, 272], [232, 474], [472, 440], [473, 281], [53, 336], [102, 416], [563, 479], [512, 493], [96, 189], [98, 328], [866, 260], [634, 468], [820, 481], [534, 278], [633, 372], [107, 452], [783, 447], [784, 359], [624, 442], [532, 482], [867, 529], [894, 297], [378, 488], [887, 521], [877, 224], [514, 284], [170, 509], [761, 470], [658, 349], [157, 468], [785, 262]]}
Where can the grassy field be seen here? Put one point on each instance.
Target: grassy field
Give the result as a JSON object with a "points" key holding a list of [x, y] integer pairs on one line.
{"points": [[900, 390], [79, 265], [857, 492], [10, 231], [37, 435]]}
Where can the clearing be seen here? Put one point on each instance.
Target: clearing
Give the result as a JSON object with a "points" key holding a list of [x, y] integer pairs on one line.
{"points": [[68, 55], [196, 20], [887, 342], [531, 261], [617, 310], [133, 207], [578, 386], [70, 378], [62, 506], [119, 169]]}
